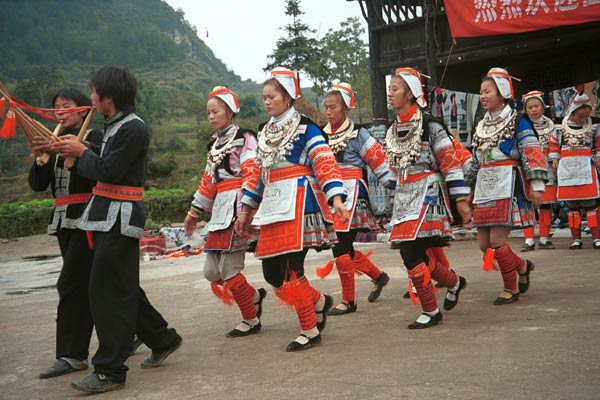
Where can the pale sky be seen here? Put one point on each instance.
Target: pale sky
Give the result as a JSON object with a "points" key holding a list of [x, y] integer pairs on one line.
{"points": [[242, 33]]}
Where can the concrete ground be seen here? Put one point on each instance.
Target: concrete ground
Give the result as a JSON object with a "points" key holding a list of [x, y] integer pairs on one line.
{"points": [[546, 346]]}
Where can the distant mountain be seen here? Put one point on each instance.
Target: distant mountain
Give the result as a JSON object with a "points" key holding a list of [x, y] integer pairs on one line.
{"points": [[79, 36]]}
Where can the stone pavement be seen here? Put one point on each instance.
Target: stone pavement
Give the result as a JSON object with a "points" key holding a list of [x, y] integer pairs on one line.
{"points": [[546, 346]]}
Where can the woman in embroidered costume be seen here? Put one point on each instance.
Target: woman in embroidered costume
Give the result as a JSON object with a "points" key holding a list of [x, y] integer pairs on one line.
{"points": [[429, 173], [231, 167], [354, 149], [533, 105], [508, 163], [73, 319], [293, 214], [575, 155]]}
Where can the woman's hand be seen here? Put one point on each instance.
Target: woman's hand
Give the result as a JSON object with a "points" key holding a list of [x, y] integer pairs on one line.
{"points": [[340, 209], [190, 223], [537, 198], [555, 164], [464, 209]]}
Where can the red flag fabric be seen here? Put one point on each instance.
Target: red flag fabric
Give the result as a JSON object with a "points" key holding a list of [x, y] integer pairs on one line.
{"points": [[468, 18], [9, 129]]}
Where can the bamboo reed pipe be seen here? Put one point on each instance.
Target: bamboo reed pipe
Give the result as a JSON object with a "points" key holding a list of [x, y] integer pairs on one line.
{"points": [[70, 161]]}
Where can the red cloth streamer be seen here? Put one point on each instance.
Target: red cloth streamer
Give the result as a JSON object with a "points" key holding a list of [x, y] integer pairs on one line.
{"points": [[488, 260], [2, 104], [9, 129], [45, 113], [322, 272], [222, 291]]}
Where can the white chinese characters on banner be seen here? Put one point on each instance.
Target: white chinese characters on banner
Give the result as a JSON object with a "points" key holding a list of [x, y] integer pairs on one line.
{"points": [[512, 9], [533, 6], [565, 5], [486, 10]]}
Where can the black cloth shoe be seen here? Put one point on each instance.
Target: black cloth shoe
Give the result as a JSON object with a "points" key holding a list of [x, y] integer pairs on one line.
{"points": [[60, 367], [527, 247], [450, 304], [379, 284], [158, 357], [546, 246], [323, 313], [97, 383], [262, 293], [576, 245], [239, 333], [432, 320], [137, 342], [343, 308], [504, 300], [523, 287], [297, 346]]}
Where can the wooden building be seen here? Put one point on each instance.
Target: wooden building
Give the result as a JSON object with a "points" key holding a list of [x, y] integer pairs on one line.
{"points": [[416, 33]]}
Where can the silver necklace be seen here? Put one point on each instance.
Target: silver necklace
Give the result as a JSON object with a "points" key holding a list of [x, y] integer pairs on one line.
{"points": [[576, 137], [339, 140], [220, 149], [276, 140], [403, 151], [544, 130], [490, 132]]}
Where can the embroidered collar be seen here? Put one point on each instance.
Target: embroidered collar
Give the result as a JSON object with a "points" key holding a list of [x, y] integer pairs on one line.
{"points": [[339, 140], [544, 127]]}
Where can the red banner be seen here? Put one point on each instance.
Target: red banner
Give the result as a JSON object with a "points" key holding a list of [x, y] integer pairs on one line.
{"points": [[469, 18]]}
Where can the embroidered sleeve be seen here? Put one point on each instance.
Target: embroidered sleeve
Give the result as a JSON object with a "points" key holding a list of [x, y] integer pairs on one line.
{"points": [[250, 171], [554, 145], [532, 156], [206, 193], [449, 161], [323, 163], [372, 153], [596, 144]]}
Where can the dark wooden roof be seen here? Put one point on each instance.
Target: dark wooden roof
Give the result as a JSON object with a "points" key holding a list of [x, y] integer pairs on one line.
{"points": [[402, 33]]}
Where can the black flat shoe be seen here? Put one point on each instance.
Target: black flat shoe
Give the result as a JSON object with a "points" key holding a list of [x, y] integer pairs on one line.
{"points": [[158, 357], [449, 304], [59, 368], [523, 287], [262, 294], [323, 313], [596, 244], [527, 247], [500, 301], [576, 245], [310, 342], [97, 383], [234, 333], [427, 321], [379, 284], [343, 308], [546, 246]]}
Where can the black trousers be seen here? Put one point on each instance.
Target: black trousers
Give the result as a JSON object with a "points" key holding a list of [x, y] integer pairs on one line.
{"points": [[278, 269], [413, 252], [73, 318], [345, 244], [119, 305]]}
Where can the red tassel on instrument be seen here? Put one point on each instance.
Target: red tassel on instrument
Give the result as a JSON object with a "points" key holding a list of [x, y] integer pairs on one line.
{"points": [[488, 260], [2, 103], [222, 292], [9, 129]]}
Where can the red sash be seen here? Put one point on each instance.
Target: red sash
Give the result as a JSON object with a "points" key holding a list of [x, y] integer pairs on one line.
{"points": [[77, 198], [126, 193]]}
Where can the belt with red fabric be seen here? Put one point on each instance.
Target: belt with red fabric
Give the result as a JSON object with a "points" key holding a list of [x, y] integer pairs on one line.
{"points": [[77, 198], [229, 184], [352, 173], [513, 163], [126, 193], [293, 171], [416, 177], [583, 151]]}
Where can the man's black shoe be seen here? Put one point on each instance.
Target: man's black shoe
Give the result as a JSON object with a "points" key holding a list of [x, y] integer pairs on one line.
{"points": [[60, 367], [158, 357], [97, 383]]}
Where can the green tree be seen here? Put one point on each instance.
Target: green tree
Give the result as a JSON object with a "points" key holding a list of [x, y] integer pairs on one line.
{"points": [[347, 59], [299, 51], [250, 106], [38, 90]]}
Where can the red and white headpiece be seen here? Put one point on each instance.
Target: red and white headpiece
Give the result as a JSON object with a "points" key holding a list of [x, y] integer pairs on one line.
{"points": [[534, 94], [580, 100], [225, 94], [346, 91], [412, 77], [288, 79], [503, 82]]}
